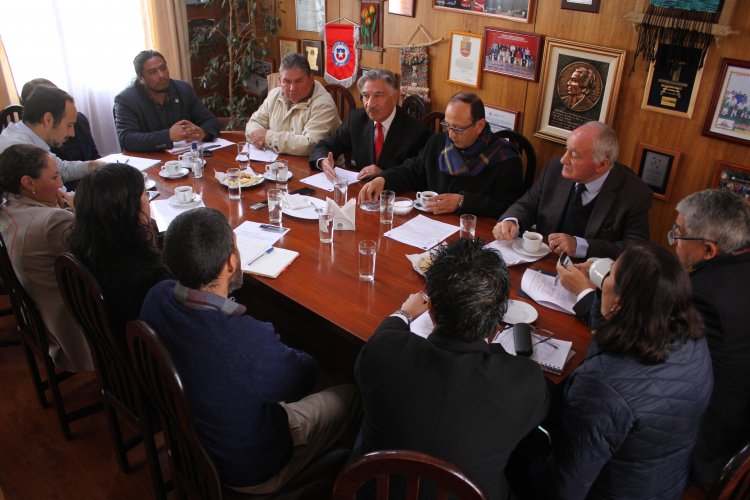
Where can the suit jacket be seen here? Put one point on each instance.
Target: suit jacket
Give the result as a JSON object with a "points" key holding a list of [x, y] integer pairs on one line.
{"points": [[620, 213], [469, 403], [404, 140], [142, 125]]}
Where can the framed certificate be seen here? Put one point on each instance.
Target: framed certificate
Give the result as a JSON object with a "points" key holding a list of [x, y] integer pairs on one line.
{"points": [[465, 59], [501, 119], [656, 167]]}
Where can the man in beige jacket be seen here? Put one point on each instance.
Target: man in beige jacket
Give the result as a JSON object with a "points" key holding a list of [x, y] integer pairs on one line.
{"points": [[295, 115]]}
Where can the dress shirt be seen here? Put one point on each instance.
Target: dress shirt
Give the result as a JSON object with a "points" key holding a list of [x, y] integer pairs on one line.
{"points": [[386, 126]]}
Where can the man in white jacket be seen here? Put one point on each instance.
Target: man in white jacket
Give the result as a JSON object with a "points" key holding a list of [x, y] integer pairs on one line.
{"points": [[295, 115]]}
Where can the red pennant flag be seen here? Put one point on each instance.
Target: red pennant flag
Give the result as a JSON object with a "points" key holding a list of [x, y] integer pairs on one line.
{"points": [[341, 54]]}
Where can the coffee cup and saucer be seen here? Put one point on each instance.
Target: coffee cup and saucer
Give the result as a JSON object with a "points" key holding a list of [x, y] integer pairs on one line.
{"points": [[173, 169], [531, 245], [184, 197], [422, 198]]}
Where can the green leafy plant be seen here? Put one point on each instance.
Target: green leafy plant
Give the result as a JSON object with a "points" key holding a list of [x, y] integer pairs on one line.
{"points": [[232, 45]]}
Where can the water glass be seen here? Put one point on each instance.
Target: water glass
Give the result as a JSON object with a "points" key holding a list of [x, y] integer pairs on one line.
{"points": [[197, 163], [325, 226], [367, 253], [282, 174], [468, 225], [340, 189], [243, 154], [387, 199], [233, 183], [274, 206]]}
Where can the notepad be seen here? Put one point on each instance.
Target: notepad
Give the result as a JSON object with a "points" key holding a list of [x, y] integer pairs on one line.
{"points": [[272, 264], [551, 359]]}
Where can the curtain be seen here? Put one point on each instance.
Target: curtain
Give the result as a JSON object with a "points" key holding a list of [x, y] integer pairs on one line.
{"points": [[168, 31], [7, 89]]}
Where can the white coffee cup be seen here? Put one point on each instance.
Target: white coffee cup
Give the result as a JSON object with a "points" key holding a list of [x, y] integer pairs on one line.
{"points": [[599, 270], [424, 196], [532, 241], [186, 160], [184, 194], [172, 167], [271, 167]]}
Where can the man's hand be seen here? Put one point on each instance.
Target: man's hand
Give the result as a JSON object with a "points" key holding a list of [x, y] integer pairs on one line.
{"points": [[371, 190], [258, 137], [444, 203], [561, 242], [369, 171], [415, 305], [185, 130], [573, 278], [327, 165], [505, 230]]}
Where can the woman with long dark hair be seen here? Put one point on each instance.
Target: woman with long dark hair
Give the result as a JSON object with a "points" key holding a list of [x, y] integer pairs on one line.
{"points": [[113, 237], [632, 409]]}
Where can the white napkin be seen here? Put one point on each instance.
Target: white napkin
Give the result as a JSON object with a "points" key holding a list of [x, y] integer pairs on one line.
{"points": [[294, 201], [344, 218]]}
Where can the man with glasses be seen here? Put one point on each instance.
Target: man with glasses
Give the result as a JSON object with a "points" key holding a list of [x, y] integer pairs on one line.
{"points": [[472, 171], [378, 136], [586, 203]]}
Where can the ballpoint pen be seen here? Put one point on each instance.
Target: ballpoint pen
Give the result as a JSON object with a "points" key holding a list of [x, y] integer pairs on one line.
{"points": [[544, 340], [270, 249]]}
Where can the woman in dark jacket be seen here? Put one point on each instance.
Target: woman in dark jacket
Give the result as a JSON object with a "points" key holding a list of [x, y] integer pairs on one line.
{"points": [[633, 408], [112, 236]]}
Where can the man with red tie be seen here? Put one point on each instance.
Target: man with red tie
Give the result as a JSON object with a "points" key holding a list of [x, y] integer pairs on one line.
{"points": [[378, 136]]}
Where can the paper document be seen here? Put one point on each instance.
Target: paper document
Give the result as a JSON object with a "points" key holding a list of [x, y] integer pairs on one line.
{"points": [[510, 256], [183, 146], [551, 354], [139, 163], [422, 325], [254, 231], [542, 288], [164, 213], [422, 232], [256, 154], [321, 181]]}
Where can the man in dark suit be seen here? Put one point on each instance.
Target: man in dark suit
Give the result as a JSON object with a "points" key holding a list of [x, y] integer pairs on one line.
{"points": [[452, 395], [588, 204], [155, 111], [378, 136]]}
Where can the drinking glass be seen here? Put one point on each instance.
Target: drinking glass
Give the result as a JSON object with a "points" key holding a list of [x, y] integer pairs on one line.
{"points": [[325, 226], [282, 174], [197, 163], [387, 199], [243, 154], [367, 253], [274, 206], [468, 225], [340, 190], [233, 183]]}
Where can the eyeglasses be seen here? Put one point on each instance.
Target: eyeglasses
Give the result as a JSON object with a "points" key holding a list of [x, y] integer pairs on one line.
{"points": [[672, 236], [458, 130]]}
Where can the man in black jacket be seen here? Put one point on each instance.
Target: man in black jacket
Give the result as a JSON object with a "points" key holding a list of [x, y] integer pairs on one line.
{"points": [[378, 136], [155, 111]]}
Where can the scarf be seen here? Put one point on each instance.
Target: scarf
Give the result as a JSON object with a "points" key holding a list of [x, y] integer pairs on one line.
{"points": [[487, 150]]}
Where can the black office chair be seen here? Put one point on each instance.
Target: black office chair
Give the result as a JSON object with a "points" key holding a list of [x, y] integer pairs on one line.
{"points": [[415, 107], [10, 114], [526, 150], [86, 303], [35, 344], [734, 483], [344, 100]]}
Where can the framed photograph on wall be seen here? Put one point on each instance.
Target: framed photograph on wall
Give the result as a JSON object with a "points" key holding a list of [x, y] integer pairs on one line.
{"points": [[258, 82], [657, 167], [581, 5], [728, 115], [733, 177], [579, 83], [501, 119], [401, 7], [511, 10], [671, 87], [313, 50], [465, 62], [512, 53], [287, 46]]}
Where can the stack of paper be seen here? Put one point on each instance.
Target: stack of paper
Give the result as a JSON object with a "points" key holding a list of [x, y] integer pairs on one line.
{"points": [[183, 146], [320, 180], [545, 290], [139, 163], [164, 212], [257, 253], [422, 232]]}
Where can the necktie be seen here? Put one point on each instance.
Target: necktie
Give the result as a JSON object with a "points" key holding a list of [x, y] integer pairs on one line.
{"points": [[378, 140], [580, 188]]}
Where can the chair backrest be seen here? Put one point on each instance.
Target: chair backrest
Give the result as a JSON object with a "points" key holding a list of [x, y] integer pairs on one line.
{"points": [[527, 152], [28, 318], [414, 106], [432, 121], [734, 483], [85, 301], [193, 472], [12, 113], [343, 98], [380, 465]]}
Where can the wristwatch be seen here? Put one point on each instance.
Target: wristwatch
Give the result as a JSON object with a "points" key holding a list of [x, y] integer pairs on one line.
{"points": [[404, 315]]}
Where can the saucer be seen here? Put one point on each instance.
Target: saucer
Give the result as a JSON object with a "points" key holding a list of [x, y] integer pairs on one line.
{"points": [[418, 205], [267, 175], [246, 182], [181, 172], [519, 312], [150, 184], [173, 201], [518, 247]]}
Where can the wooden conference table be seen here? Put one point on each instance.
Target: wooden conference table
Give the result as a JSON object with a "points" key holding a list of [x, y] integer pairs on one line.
{"points": [[319, 304]]}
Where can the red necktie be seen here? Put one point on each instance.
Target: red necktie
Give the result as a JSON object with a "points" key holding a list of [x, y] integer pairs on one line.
{"points": [[378, 140]]}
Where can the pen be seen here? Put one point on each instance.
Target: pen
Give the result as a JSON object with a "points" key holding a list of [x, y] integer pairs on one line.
{"points": [[424, 296], [213, 146], [127, 160], [270, 249], [545, 339]]}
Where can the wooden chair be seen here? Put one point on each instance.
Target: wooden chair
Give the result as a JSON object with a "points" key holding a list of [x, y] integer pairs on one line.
{"points": [[415, 107], [343, 98], [734, 483], [119, 388], [526, 150], [12, 113], [35, 344], [380, 465], [193, 472], [432, 121]]}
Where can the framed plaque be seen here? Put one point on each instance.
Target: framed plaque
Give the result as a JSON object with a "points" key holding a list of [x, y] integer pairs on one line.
{"points": [[465, 59], [657, 167]]}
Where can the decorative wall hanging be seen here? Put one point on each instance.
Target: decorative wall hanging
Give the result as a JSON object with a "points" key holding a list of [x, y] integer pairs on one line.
{"points": [[657, 167], [579, 83], [313, 50], [341, 53], [733, 177], [371, 27], [728, 115], [466, 59], [415, 65], [512, 53], [512, 10], [672, 88]]}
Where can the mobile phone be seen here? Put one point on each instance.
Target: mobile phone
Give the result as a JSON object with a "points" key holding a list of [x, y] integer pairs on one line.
{"points": [[258, 205], [565, 260], [152, 194], [304, 191]]}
